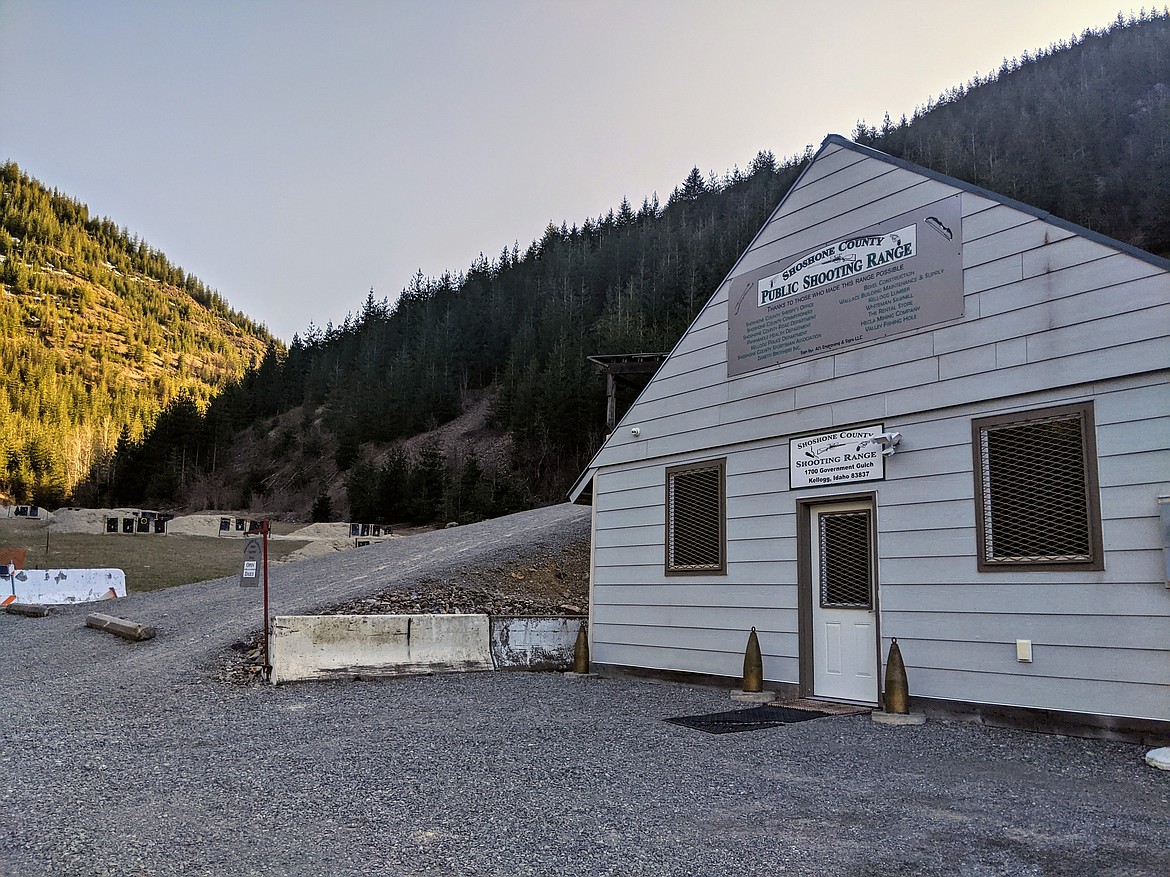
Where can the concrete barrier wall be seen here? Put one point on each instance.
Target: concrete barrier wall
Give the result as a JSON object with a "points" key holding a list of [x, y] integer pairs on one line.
{"points": [[343, 646], [58, 586]]}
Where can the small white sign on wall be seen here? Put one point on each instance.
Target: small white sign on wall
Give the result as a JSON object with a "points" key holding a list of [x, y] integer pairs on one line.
{"points": [[836, 457]]}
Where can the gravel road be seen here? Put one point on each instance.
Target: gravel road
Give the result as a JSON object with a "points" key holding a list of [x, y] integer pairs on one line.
{"points": [[132, 759]]}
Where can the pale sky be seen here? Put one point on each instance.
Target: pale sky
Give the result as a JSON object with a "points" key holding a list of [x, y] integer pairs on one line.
{"points": [[292, 155]]}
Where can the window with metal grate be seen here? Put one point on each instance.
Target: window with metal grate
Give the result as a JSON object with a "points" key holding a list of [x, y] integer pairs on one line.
{"points": [[695, 514], [846, 560], [1036, 490]]}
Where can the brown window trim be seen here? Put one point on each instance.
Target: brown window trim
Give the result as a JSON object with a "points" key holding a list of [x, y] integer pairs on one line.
{"points": [[1083, 410], [713, 570]]}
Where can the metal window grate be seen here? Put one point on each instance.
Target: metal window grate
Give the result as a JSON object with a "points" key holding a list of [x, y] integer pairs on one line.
{"points": [[695, 539], [1035, 487], [846, 563]]}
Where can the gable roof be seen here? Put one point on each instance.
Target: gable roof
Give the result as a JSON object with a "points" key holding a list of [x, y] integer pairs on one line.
{"points": [[708, 321], [1043, 215]]}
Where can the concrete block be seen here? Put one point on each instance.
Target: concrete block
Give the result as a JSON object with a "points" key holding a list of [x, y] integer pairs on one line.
{"points": [[884, 718], [534, 642], [344, 646], [1159, 758], [131, 630], [753, 696]]}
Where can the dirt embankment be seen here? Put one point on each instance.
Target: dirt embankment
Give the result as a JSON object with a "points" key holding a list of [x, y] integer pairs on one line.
{"points": [[553, 582]]}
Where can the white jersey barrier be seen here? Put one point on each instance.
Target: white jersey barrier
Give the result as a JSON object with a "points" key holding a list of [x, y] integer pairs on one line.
{"points": [[344, 646], [54, 587]]}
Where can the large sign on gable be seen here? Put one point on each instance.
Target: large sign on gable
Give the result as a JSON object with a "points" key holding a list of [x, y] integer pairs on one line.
{"points": [[896, 276]]}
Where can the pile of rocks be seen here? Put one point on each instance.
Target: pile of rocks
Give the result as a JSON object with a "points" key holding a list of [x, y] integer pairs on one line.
{"points": [[547, 583], [243, 664], [440, 598]]}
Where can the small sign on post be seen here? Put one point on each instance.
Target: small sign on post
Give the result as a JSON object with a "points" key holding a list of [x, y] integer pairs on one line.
{"points": [[253, 557], [255, 571]]}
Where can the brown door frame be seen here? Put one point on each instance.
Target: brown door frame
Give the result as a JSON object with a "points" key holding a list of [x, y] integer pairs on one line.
{"points": [[804, 589]]}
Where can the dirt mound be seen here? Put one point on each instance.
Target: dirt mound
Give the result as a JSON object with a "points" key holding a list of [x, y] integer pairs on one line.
{"points": [[207, 524], [320, 531], [195, 525], [320, 547], [85, 520]]}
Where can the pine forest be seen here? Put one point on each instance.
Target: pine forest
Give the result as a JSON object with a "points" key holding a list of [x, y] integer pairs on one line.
{"points": [[98, 334], [127, 381]]}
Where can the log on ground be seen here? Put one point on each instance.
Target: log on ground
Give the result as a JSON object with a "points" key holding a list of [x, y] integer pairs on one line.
{"points": [[30, 610], [131, 630]]}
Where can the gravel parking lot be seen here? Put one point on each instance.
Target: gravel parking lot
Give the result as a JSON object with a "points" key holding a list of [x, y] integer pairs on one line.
{"points": [[133, 759]]}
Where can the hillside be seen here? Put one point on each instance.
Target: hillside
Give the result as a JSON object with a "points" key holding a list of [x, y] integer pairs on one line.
{"points": [[1079, 129], [98, 333]]}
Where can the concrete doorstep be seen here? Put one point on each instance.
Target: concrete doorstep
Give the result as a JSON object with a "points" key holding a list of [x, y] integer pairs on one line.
{"points": [[883, 718], [1159, 758]]}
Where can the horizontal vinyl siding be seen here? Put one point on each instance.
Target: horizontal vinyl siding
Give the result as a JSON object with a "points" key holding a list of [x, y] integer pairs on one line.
{"points": [[931, 590], [782, 573], [697, 623], [1124, 599], [1020, 234], [987, 225], [1043, 306], [1051, 318], [1121, 566], [1113, 633], [1110, 629], [709, 635], [889, 194], [916, 386], [1068, 695], [692, 660], [699, 597]]}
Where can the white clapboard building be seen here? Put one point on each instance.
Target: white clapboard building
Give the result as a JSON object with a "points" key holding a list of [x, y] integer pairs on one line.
{"points": [[914, 410]]}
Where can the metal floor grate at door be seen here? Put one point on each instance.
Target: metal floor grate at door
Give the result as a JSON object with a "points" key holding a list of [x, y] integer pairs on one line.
{"points": [[753, 719]]}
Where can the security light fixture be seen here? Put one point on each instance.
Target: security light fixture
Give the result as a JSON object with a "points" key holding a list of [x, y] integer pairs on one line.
{"points": [[887, 441]]}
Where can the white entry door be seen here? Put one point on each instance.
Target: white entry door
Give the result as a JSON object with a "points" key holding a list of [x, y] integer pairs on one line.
{"points": [[844, 610]]}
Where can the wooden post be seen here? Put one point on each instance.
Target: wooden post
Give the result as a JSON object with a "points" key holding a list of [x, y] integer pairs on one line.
{"points": [[267, 657], [30, 610], [610, 403]]}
